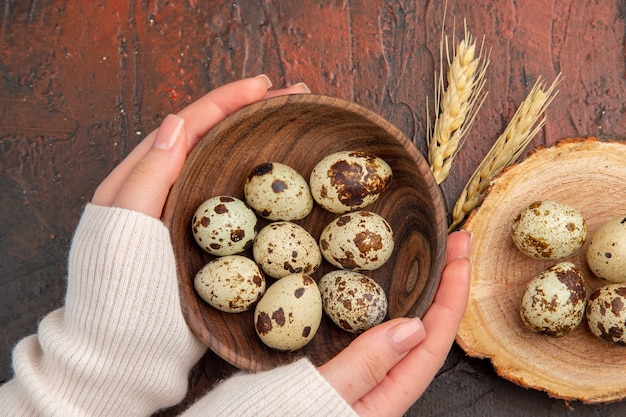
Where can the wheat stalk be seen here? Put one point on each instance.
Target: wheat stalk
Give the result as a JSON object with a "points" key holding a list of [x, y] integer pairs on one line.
{"points": [[457, 104], [507, 148]]}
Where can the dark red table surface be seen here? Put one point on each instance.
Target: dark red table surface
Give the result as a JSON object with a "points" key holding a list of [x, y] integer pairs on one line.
{"points": [[81, 83]]}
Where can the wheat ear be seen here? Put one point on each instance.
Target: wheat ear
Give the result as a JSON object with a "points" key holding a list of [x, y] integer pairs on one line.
{"points": [[507, 148], [457, 103]]}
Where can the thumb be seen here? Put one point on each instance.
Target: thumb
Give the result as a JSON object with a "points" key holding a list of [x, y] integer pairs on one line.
{"points": [[146, 187], [362, 365]]}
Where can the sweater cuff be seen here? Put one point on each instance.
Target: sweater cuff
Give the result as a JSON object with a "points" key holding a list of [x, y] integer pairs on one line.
{"points": [[297, 389]]}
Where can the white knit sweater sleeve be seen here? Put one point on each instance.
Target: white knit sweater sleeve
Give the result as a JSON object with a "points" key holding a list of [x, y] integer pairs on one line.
{"points": [[120, 345], [288, 391]]}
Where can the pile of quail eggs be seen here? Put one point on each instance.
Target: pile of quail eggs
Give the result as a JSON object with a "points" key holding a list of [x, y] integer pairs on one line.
{"points": [[289, 311], [555, 302]]}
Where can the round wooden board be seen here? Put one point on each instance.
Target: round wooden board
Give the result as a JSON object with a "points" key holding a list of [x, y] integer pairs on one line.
{"points": [[589, 175]]}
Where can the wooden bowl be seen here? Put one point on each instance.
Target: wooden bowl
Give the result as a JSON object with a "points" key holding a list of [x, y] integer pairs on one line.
{"points": [[589, 175], [300, 130]]}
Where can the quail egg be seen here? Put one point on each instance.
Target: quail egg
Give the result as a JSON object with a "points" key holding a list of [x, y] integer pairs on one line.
{"points": [[278, 192], [224, 225], [231, 283], [606, 313], [554, 301], [353, 301], [290, 312], [349, 180], [283, 248], [606, 253], [362, 240], [549, 230]]}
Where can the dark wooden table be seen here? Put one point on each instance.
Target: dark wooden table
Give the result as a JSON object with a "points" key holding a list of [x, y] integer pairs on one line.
{"points": [[81, 83]]}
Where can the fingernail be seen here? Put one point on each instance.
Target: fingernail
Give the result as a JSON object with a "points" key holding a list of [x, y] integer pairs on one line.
{"points": [[468, 232], [406, 335], [267, 80], [169, 132], [469, 243], [303, 86]]}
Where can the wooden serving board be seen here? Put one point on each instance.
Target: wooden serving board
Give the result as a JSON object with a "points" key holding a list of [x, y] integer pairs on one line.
{"points": [[589, 175]]}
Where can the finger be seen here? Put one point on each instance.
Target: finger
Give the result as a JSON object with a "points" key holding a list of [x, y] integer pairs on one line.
{"points": [[214, 107], [459, 245], [408, 380], [147, 185], [443, 319], [202, 115], [199, 119], [365, 362]]}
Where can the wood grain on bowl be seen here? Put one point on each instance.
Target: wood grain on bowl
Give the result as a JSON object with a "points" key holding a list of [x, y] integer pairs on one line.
{"points": [[299, 131], [589, 175]]}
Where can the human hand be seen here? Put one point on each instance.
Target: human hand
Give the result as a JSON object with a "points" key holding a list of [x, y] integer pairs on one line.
{"points": [[142, 181], [387, 368]]}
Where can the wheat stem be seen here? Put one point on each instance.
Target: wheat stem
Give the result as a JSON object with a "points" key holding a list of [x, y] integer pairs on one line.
{"points": [[525, 125], [457, 103]]}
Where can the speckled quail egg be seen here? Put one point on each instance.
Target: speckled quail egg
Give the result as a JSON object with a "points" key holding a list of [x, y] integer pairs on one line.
{"points": [[283, 248], [290, 312], [606, 313], [224, 225], [353, 301], [359, 241], [349, 180], [606, 253], [231, 283], [554, 301], [549, 230], [278, 192]]}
